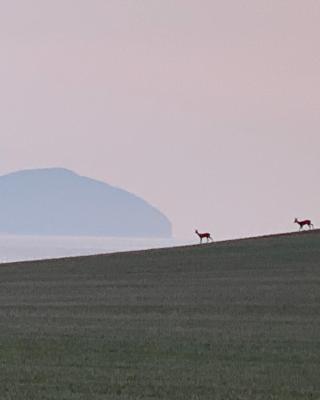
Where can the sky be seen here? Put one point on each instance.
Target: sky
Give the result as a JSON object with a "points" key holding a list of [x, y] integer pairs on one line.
{"points": [[209, 110]]}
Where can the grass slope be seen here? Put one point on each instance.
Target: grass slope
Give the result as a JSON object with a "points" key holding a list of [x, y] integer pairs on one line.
{"points": [[228, 320]]}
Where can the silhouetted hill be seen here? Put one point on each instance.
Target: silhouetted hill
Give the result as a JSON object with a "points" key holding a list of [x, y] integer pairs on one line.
{"points": [[56, 201]]}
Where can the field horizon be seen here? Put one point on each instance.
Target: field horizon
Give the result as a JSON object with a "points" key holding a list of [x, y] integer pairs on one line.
{"points": [[235, 319], [165, 247]]}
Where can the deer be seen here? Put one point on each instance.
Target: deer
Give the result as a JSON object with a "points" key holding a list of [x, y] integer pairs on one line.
{"points": [[204, 235], [303, 223]]}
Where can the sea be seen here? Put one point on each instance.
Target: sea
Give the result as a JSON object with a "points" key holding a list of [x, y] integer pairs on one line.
{"points": [[23, 248]]}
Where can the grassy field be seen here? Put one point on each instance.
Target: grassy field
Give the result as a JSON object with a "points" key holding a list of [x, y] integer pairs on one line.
{"points": [[229, 320]]}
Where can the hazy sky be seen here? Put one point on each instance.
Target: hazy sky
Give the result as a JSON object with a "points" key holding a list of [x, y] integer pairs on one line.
{"points": [[210, 110]]}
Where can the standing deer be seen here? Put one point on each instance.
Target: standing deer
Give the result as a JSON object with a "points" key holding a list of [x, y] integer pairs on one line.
{"points": [[204, 235], [303, 223]]}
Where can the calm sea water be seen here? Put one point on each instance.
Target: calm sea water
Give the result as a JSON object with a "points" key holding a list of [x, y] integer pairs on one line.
{"points": [[20, 248]]}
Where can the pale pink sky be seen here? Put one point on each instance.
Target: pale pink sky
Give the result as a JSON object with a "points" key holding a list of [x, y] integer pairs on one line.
{"points": [[210, 110]]}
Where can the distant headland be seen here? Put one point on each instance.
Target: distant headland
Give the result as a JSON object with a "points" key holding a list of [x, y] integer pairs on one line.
{"points": [[57, 201]]}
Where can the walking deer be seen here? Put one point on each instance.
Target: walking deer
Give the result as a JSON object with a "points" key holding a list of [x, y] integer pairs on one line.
{"points": [[303, 223], [205, 235]]}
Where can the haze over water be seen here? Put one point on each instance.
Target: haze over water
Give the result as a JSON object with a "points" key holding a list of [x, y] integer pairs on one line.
{"points": [[23, 248]]}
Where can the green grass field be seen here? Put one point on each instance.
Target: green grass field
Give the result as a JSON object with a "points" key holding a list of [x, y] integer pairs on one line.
{"points": [[228, 320]]}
